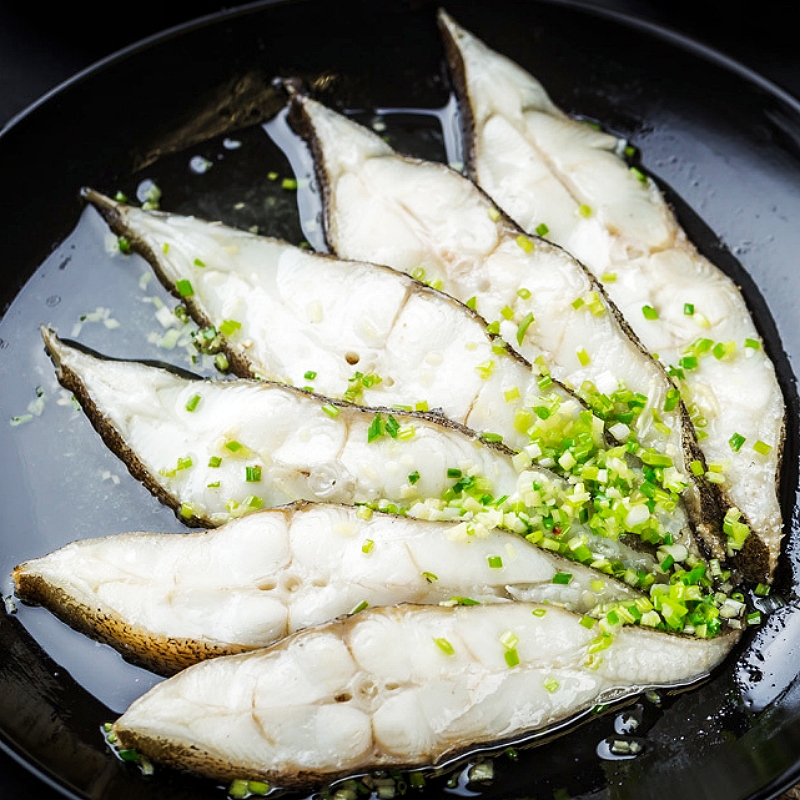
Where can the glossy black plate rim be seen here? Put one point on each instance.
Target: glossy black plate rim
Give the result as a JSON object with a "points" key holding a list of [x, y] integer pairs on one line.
{"points": [[673, 38]]}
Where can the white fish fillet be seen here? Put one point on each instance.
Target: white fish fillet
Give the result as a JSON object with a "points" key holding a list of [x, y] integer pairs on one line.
{"points": [[252, 444], [421, 217], [311, 320], [217, 450], [374, 335], [403, 686], [168, 601], [541, 166]]}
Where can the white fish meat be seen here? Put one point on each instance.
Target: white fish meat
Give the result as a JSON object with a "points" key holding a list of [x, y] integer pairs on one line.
{"points": [[544, 168], [345, 329], [214, 450], [378, 337], [169, 601], [218, 450], [427, 220], [401, 687]]}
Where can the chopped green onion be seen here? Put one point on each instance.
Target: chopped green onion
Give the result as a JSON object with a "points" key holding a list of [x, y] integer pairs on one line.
{"points": [[562, 577], [185, 462], [495, 562], [551, 684], [512, 394], [512, 657], [696, 467], [444, 646], [221, 362], [753, 344], [331, 410], [452, 472], [192, 402], [272, 176], [608, 277], [310, 375], [525, 244], [639, 175], [736, 441], [165, 248], [649, 312], [539, 612], [542, 229], [121, 197], [229, 326], [523, 326], [471, 303], [524, 293], [289, 183], [376, 428], [688, 309], [762, 448], [198, 263], [430, 577], [214, 461], [252, 474], [124, 245], [392, 426], [583, 356], [585, 211], [413, 477], [214, 485], [360, 607], [233, 446], [184, 288], [367, 546], [258, 787], [494, 438], [494, 214]]}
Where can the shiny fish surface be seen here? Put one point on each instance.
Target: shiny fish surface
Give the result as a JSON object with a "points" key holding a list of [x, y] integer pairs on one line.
{"points": [[369, 334], [168, 601], [215, 450], [542, 167], [345, 329], [425, 219], [404, 686]]}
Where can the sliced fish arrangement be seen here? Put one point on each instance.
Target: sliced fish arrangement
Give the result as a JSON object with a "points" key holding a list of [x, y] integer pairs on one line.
{"points": [[569, 181], [568, 512], [153, 597], [375, 336], [427, 220], [217, 450], [399, 687]]}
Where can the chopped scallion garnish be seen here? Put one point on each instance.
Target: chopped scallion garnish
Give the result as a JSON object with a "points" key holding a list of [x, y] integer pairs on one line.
{"points": [[736, 441], [649, 312], [184, 288], [192, 402], [444, 645], [542, 229], [495, 562], [252, 474]]}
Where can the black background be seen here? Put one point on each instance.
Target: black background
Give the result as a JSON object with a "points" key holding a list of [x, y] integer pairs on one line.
{"points": [[39, 50]]}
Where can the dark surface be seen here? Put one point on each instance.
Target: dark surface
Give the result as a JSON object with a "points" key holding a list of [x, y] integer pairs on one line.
{"points": [[38, 52]]}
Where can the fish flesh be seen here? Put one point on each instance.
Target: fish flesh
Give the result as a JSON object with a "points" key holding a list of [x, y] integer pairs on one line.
{"points": [[169, 601], [546, 169], [372, 335], [214, 450], [217, 450], [427, 220], [351, 330], [400, 687]]}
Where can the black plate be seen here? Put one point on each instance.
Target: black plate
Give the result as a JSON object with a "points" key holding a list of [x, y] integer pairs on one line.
{"points": [[724, 145]]}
